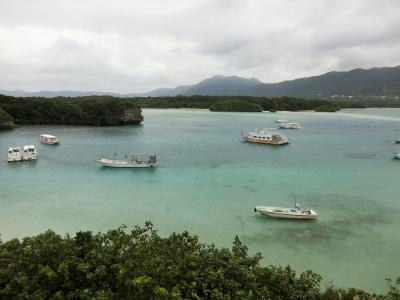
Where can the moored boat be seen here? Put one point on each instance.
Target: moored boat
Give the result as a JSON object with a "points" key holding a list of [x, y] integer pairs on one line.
{"points": [[30, 153], [49, 139], [289, 125], [282, 121], [396, 155], [136, 161], [14, 154], [266, 136], [287, 212], [397, 140]]}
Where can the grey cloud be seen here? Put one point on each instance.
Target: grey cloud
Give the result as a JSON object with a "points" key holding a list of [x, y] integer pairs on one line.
{"points": [[133, 46]]}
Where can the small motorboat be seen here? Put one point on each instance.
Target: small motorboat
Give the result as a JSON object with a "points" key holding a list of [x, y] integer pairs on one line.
{"points": [[396, 155], [397, 140], [289, 125], [49, 139], [14, 154], [287, 213], [30, 153], [135, 161]]}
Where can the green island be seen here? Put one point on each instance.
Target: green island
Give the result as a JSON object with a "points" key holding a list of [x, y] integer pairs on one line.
{"points": [[113, 111], [141, 264], [94, 110]]}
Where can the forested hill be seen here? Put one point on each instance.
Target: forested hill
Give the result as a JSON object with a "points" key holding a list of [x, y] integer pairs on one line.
{"points": [[372, 82]]}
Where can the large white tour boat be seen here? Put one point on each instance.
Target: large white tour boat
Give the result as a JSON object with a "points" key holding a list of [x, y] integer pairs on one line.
{"points": [[266, 136], [287, 212], [135, 161], [289, 125], [49, 139]]}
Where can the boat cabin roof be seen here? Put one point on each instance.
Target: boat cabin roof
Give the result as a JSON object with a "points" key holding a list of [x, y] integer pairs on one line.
{"points": [[48, 136], [29, 147]]}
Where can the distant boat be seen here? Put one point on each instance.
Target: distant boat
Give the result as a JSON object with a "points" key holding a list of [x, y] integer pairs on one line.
{"points": [[49, 139], [265, 136], [282, 121], [289, 125], [397, 140], [14, 154], [287, 213], [30, 153], [135, 161], [396, 155]]}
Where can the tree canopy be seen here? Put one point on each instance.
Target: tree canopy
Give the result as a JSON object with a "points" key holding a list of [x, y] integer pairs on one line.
{"points": [[91, 110], [140, 264]]}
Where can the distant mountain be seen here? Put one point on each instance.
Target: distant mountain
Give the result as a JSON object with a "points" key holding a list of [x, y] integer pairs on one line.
{"points": [[375, 81], [50, 94]]}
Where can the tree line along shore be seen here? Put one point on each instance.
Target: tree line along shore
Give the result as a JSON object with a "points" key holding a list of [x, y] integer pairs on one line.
{"points": [[112, 111], [141, 264]]}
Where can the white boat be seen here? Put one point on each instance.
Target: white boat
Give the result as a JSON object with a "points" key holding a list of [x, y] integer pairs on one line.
{"points": [[266, 136], [282, 121], [49, 139], [397, 140], [136, 161], [30, 153], [289, 125], [14, 154], [396, 155], [287, 212]]}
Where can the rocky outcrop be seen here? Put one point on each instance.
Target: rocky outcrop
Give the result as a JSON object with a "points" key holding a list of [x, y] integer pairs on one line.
{"points": [[132, 116]]}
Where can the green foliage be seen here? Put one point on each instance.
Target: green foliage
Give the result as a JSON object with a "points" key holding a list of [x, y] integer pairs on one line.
{"points": [[142, 265], [6, 121], [92, 110], [327, 108], [236, 106]]}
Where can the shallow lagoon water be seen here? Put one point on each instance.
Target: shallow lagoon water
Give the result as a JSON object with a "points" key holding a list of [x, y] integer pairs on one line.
{"points": [[208, 182]]}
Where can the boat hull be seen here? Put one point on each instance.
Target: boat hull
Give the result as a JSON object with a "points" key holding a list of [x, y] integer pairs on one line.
{"points": [[287, 213], [125, 164], [50, 143], [264, 141]]}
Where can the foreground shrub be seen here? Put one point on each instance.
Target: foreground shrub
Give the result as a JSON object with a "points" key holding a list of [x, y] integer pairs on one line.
{"points": [[142, 265]]}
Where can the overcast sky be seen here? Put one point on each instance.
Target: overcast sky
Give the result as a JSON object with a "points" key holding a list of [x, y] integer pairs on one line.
{"points": [[135, 46]]}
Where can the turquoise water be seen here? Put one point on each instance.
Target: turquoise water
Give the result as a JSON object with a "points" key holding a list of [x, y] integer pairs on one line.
{"points": [[209, 181]]}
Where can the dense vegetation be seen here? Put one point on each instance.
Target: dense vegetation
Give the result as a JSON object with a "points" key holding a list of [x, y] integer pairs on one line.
{"points": [[143, 265], [108, 110], [6, 121], [236, 105], [94, 110], [282, 103]]}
